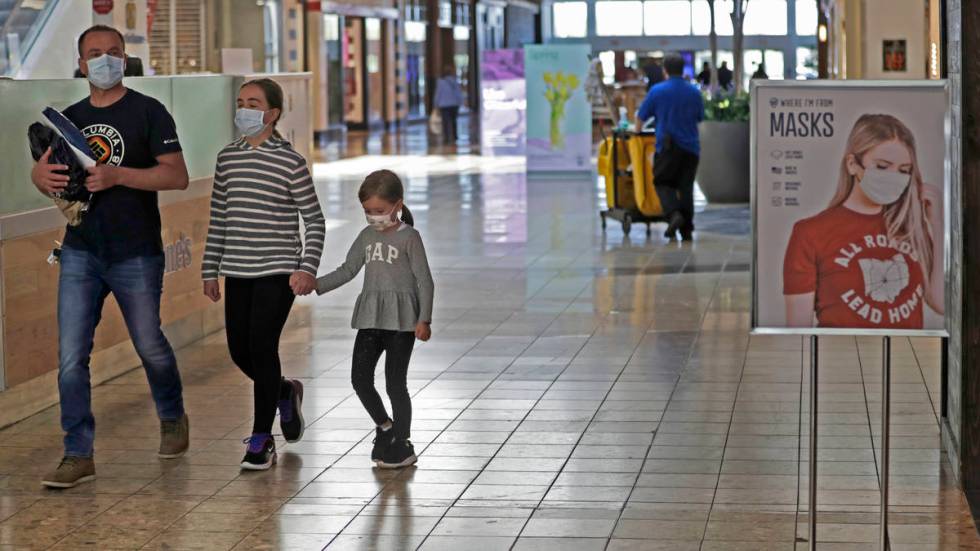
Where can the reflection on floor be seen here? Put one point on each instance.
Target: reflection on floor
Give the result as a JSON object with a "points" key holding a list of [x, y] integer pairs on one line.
{"points": [[581, 392]]}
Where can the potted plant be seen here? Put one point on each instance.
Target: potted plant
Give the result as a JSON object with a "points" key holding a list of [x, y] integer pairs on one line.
{"points": [[723, 172]]}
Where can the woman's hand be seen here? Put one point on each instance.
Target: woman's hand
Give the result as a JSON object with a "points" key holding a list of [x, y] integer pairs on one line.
{"points": [[212, 290], [422, 331], [302, 283], [932, 199]]}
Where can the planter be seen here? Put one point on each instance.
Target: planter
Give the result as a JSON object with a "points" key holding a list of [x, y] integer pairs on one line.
{"points": [[723, 172]]}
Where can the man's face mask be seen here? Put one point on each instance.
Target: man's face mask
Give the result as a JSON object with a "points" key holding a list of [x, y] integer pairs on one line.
{"points": [[884, 187], [105, 71]]}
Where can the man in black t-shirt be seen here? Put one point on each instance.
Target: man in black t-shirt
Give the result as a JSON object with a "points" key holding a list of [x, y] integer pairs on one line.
{"points": [[116, 249]]}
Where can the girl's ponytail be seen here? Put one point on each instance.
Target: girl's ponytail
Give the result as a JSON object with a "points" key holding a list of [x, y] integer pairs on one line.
{"points": [[407, 216]]}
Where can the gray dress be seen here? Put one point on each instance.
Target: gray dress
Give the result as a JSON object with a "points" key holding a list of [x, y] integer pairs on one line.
{"points": [[398, 288]]}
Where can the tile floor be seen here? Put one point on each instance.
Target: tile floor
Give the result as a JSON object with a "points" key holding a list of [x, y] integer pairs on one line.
{"points": [[581, 392]]}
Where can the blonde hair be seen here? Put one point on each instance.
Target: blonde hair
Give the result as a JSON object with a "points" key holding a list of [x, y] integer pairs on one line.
{"points": [[905, 219]]}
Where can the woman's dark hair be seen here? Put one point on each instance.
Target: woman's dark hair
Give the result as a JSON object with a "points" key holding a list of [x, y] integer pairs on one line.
{"points": [[273, 96], [386, 185], [674, 65]]}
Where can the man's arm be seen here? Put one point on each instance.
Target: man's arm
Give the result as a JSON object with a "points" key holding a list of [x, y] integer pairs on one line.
{"points": [[169, 174]]}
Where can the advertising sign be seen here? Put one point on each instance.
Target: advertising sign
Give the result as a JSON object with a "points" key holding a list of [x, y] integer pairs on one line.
{"points": [[559, 116], [503, 101], [849, 207]]}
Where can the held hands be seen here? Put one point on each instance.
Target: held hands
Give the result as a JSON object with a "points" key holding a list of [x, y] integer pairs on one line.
{"points": [[101, 177], [302, 283], [212, 290], [423, 331], [45, 177]]}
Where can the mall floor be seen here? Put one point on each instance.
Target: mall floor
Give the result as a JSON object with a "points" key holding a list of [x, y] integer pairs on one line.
{"points": [[582, 391]]}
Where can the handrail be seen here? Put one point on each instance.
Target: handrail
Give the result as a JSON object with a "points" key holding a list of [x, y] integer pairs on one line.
{"points": [[30, 38]]}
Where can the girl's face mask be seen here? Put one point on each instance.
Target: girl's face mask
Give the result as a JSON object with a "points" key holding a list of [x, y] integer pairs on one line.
{"points": [[382, 222], [249, 121], [884, 187]]}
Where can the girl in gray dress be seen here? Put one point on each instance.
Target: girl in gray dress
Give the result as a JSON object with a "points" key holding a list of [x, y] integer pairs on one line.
{"points": [[393, 309]]}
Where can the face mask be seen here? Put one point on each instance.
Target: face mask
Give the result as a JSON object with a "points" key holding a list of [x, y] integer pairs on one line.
{"points": [[381, 222], [884, 187], [105, 71], [249, 121]]}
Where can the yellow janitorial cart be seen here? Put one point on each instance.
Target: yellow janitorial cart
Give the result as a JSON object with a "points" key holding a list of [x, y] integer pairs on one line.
{"points": [[626, 164]]}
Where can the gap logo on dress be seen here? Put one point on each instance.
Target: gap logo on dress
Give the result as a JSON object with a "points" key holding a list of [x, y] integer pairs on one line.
{"points": [[380, 252]]}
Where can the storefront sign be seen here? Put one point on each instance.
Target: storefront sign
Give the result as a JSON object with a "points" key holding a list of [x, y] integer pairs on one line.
{"points": [[102, 7], [849, 207], [559, 116], [178, 254], [504, 104]]}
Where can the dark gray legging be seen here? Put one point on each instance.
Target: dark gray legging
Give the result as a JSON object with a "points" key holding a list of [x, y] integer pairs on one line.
{"points": [[397, 346], [449, 115]]}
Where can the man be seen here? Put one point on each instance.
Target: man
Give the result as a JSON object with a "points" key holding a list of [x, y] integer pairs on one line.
{"points": [[116, 249], [704, 77], [654, 72], [449, 97], [760, 73], [725, 76], [677, 108]]}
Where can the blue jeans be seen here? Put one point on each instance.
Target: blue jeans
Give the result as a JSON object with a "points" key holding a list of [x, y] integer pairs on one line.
{"points": [[137, 284]]}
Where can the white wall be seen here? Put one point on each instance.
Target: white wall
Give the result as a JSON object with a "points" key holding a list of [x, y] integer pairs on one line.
{"points": [[55, 54], [895, 20]]}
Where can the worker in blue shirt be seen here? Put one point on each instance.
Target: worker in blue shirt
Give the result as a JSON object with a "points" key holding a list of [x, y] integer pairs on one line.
{"points": [[677, 108]]}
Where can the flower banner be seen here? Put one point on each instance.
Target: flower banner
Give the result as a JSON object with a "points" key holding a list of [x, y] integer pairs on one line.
{"points": [[559, 116]]}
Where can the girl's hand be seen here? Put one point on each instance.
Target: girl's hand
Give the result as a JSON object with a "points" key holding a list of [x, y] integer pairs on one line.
{"points": [[422, 331], [212, 290], [932, 199], [302, 283]]}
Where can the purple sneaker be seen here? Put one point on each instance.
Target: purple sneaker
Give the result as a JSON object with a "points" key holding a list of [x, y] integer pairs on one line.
{"points": [[291, 412], [260, 453]]}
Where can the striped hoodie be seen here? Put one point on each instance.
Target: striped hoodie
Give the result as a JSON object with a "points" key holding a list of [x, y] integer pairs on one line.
{"points": [[258, 197]]}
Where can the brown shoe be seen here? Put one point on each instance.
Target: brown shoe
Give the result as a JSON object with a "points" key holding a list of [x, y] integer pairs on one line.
{"points": [[174, 438], [71, 472]]}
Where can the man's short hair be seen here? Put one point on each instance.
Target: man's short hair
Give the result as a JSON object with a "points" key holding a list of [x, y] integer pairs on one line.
{"points": [[674, 65], [99, 29]]}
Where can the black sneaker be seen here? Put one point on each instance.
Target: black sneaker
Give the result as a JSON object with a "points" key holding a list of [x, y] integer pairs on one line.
{"points": [[382, 438], [291, 412], [400, 453], [260, 454], [675, 223]]}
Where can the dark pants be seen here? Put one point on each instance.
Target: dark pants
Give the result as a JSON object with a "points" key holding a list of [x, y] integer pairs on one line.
{"points": [[449, 115], [255, 313], [136, 283], [676, 187], [397, 346]]}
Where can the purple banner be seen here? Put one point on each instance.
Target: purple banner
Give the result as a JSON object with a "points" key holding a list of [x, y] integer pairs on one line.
{"points": [[504, 103]]}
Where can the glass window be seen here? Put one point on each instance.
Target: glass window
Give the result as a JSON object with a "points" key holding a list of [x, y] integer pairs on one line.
{"points": [[414, 31], [331, 27], [372, 28], [608, 61], [619, 18], [806, 17], [461, 33], [766, 17], [806, 63], [667, 17], [570, 19], [701, 17]]}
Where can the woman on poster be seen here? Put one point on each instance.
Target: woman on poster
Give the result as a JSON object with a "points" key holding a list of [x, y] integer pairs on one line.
{"points": [[874, 258]]}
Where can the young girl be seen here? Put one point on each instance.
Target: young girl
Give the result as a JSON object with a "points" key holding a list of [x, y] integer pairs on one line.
{"points": [[874, 257], [262, 187], [394, 309]]}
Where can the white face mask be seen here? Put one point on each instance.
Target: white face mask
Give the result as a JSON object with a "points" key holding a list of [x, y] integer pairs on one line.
{"points": [[249, 121], [381, 222], [105, 71], [884, 187]]}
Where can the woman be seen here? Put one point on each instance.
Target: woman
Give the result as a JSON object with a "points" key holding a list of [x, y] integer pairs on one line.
{"points": [[262, 186], [449, 96], [874, 257]]}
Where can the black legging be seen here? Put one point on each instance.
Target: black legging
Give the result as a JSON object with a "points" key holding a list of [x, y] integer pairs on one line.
{"points": [[397, 346], [449, 115], [255, 313]]}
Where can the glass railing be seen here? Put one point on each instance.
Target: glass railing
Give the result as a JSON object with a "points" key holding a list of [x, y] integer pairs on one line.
{"points": [[21, 21]]}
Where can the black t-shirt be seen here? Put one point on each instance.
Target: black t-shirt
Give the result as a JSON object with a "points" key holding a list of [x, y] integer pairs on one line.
{"points": [[123, 222]]}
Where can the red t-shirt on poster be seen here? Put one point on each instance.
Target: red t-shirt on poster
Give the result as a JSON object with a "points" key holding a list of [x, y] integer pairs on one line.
{"points": [[861, 278]]}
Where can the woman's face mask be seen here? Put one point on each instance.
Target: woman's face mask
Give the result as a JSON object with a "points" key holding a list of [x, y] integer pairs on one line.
{"points": [[249, 121], [884, 187], [105, 71]]}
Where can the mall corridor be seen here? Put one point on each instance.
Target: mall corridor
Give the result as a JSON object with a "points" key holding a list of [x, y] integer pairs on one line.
{"points": [[582, 391]]}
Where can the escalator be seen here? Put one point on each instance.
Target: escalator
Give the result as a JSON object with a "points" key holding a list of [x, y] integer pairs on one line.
{"points": [[21, 22]]}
